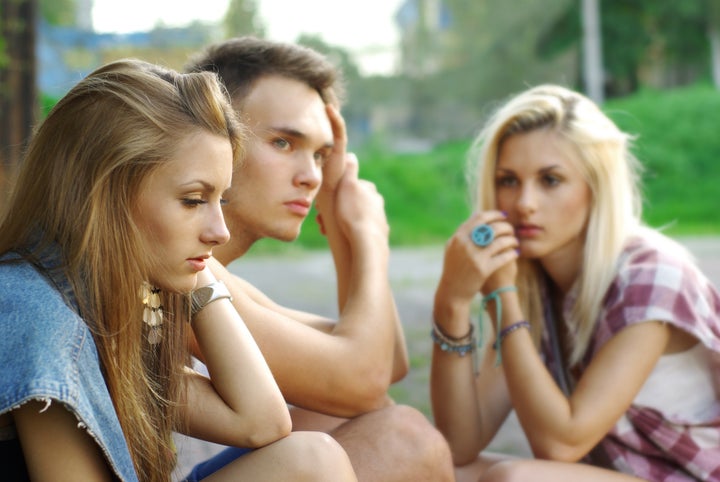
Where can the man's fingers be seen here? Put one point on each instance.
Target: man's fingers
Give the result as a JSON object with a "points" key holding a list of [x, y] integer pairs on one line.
{"points": [[351, 165], [338, 126]]}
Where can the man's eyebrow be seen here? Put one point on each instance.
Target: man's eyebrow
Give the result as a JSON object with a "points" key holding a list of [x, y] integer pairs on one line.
{"points": [[289, 131]]}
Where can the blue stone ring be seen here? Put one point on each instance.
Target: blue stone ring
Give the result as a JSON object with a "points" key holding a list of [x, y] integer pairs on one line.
{"points": [[482, 235]]}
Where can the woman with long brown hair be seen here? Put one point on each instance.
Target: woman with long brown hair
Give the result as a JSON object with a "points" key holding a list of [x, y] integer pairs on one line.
{"points": [[103, 247]]}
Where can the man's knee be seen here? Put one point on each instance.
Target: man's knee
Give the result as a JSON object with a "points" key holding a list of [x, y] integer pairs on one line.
{"points": [[421, 441]]}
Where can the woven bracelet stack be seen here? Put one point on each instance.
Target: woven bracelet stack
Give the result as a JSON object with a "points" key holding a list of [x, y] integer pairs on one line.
{"points": [[462, 346], [468, 343]]}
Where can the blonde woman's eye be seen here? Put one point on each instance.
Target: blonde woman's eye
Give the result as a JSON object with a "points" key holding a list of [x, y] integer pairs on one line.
{"points": [[551, 180], [506, 181]]}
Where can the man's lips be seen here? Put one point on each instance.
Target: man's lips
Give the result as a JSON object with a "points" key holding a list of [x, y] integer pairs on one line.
{"points": [[300, 207]]}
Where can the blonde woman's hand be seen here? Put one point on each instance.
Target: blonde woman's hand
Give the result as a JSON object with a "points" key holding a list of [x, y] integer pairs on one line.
{"points": [[468, 267]]}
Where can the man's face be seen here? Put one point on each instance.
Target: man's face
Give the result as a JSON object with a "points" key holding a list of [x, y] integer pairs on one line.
{"points": [[290, 137]]}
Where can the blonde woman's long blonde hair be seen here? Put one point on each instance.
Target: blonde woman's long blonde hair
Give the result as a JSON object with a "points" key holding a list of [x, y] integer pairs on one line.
{"points": [[77, 187], [602, 153]]}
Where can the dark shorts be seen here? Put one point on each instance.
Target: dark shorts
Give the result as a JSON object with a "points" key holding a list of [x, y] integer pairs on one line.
{"points": [[212, 465]]}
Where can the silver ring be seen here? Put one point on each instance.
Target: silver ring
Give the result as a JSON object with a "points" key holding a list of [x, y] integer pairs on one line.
{"points": [[482, 235]]}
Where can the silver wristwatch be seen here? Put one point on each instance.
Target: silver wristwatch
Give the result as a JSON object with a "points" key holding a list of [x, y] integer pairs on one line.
{"points": [[202, 297]]}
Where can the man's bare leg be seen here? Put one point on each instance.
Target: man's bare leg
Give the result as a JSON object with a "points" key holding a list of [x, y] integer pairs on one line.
{"points": [[393, 444]]}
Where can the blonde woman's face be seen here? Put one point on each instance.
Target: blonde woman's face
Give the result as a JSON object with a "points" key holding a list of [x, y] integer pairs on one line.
{"points": [[545, 196], [179, 210]]}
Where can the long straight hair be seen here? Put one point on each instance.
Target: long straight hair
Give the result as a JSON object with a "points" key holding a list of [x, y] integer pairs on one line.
{"points": [[77, 187], [602, 153]]}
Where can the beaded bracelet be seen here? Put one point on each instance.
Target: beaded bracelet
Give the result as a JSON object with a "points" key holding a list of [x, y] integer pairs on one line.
{"points": [[461, 346], [507, 330]]}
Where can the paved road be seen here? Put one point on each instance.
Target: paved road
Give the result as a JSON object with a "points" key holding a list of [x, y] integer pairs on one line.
{"points": [[305, 281]]}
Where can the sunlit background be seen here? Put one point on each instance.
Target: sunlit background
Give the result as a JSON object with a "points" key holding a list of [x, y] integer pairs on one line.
{"points": [[421, 77]]}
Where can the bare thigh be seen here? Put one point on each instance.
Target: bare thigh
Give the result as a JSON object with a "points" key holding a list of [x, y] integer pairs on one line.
{"points": [[474, 470], [548, 471], [301, 457]]}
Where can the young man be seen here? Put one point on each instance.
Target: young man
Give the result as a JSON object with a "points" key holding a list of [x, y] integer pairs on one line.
{"points": [[335, 373]]}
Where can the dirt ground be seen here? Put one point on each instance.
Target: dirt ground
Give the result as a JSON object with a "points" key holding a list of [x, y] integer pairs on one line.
{"points": [[305, 280]]}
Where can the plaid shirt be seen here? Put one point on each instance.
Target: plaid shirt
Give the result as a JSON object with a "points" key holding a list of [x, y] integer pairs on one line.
{"points": [[653, 284]]}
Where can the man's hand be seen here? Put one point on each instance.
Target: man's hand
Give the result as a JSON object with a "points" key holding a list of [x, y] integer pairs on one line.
{"points": [[333, 171], [359, 208], [335, 164]]}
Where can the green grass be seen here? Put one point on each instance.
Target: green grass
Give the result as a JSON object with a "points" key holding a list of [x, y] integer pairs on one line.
{"points": [[677, 142]]}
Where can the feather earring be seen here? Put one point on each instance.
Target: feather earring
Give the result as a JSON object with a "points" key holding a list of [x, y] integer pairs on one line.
{"points": [[152, 312]]}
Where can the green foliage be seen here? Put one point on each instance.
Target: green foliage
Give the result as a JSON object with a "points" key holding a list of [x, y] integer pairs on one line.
{"points": [[58, 12], [3, 52], [241, 18], [635, 32], [47, 102], [677, 142]]}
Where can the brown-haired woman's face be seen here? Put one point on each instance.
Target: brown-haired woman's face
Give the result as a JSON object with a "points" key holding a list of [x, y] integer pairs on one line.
{"points": [[179, 210]]}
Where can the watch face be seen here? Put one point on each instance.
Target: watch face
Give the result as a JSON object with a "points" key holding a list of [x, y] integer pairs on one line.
{"points": [[201, 296]]}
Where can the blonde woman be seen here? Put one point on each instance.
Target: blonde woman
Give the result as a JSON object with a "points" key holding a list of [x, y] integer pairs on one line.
{"points": [[604, 336], [114, 215]]}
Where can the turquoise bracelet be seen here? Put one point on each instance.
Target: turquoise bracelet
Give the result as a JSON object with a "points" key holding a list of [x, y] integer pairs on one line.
{"points": [[495, 295]]}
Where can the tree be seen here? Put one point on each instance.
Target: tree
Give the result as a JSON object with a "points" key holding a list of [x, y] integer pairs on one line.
{"points": [[18, 98], [59, 12], [662, 39], [241, 18]]}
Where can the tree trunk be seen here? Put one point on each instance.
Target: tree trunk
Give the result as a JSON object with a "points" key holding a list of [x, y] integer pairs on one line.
{"points": [[18, 98], [592, 50]]}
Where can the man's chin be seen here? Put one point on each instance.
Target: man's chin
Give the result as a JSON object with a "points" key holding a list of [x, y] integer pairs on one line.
{"points": [[287, 236]]}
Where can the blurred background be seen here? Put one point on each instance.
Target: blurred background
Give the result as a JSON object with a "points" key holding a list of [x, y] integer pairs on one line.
{"points": [[421, 76]]}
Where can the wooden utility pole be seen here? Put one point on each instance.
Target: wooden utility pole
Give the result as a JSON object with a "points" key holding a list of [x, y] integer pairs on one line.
{"points": [[18, 97]]}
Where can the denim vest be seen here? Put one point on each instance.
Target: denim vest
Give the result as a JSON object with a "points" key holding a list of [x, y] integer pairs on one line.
{"points": [[47, 353]]}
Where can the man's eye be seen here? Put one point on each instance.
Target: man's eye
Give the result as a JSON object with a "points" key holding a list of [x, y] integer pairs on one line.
{"points": [[321, 158], [280, 143]]}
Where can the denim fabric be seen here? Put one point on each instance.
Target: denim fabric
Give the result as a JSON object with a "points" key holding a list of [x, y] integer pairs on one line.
{"points": [[47, 353], [217, 462]]}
